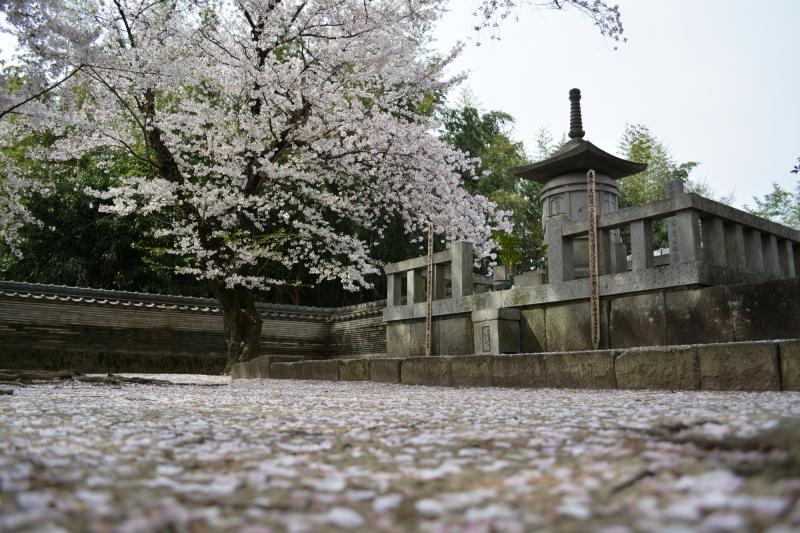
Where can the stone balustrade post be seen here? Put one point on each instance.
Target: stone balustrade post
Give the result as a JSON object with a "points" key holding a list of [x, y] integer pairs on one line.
{"points": [[684, 246], [734, 247], [438, 282], [560, 257], [415, 287], [604, 259], [753, 252], [796, 256], [792, 258], [786, 258], [461, 269], [641, 244], [713, 230], [673, 188], [772, 266], [619, 254], [393, 290]]}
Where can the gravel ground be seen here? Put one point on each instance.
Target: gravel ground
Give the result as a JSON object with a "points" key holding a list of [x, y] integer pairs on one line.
{"points": [[309, 456]]}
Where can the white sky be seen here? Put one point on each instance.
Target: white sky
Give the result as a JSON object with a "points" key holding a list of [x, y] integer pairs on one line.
{"points": [[716, 80]]}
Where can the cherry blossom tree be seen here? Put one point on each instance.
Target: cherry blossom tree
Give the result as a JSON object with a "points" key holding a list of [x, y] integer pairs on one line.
{"points": [[272, 131]]}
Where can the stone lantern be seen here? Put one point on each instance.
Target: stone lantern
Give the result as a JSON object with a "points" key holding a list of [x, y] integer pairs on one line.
{"points": [[563, 179]]}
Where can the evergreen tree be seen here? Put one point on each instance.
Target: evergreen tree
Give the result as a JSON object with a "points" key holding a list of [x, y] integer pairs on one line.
{"points": [[639, 144], [487, 135], [780, 205], [73, 243]]}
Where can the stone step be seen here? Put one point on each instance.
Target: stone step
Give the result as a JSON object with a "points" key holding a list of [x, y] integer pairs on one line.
{"points": [[745, 366]]}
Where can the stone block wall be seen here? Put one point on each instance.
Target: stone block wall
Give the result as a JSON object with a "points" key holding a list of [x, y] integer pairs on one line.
{"points": [[733, 313], [51, 328], [451, 335], [696, 315], [357, 331], [47, 327]]}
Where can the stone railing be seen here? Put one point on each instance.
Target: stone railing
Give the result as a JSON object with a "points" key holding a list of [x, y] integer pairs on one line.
{"points": [[709, 244], [726, 244], [648, 297], [406, 280]]}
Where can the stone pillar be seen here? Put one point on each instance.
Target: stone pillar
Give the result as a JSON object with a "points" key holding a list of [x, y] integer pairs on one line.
{"points": [[685, 242], [673, 188], [786, 258], [619, 255], [714, 241], [438, 282], [604, 259], [393, 290], [734, 247], [641, 244], [461, 269], [496, 331], [560, 263], [415, 287], [772, 265], [791, 260], [796, 260], [753, 252]]}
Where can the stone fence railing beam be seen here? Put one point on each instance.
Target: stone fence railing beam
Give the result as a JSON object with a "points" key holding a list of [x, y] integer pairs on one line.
{"points": [[461, 261], [738, 244]]}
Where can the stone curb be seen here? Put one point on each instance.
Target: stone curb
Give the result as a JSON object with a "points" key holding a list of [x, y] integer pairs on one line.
{"points": [[260, 366], [740, 366], [789, 353], [385, 370], [732, 366], [354, 370], [581, 370]]}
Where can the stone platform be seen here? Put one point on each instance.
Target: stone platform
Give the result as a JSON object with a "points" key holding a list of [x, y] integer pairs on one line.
{"points": [[755, 366]]}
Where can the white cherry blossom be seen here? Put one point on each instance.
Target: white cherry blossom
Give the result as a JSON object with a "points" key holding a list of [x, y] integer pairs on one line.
{"points": [[273, 128]]}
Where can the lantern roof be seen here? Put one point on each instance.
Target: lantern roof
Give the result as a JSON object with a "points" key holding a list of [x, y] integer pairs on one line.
{"points": [[578, 155]]}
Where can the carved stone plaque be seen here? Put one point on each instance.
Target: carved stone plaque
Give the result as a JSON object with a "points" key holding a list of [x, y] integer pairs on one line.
{"points": [[486, 338], [555, 205]]}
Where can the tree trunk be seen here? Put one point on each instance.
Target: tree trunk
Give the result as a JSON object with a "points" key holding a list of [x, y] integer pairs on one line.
{"points": [[242, 322]]}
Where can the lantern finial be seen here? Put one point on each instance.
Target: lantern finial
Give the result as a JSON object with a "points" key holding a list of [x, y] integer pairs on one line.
{"points": [[575, 120]]}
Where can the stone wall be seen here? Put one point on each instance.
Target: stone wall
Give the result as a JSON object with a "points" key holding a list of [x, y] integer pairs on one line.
{"points": [[451, 335], [357, 331], [698, 315], [733, 313], [52, 327]]}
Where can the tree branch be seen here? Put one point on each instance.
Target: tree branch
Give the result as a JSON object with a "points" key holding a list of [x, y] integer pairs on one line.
{"points": [[125, 23], [40, 93]]}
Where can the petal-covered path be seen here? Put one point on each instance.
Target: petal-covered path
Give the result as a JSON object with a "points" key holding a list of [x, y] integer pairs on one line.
{"points": [[310, 456]]}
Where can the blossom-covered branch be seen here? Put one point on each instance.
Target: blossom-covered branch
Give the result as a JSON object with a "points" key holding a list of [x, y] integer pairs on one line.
{"points": [[270, 126], [605, 17]]}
